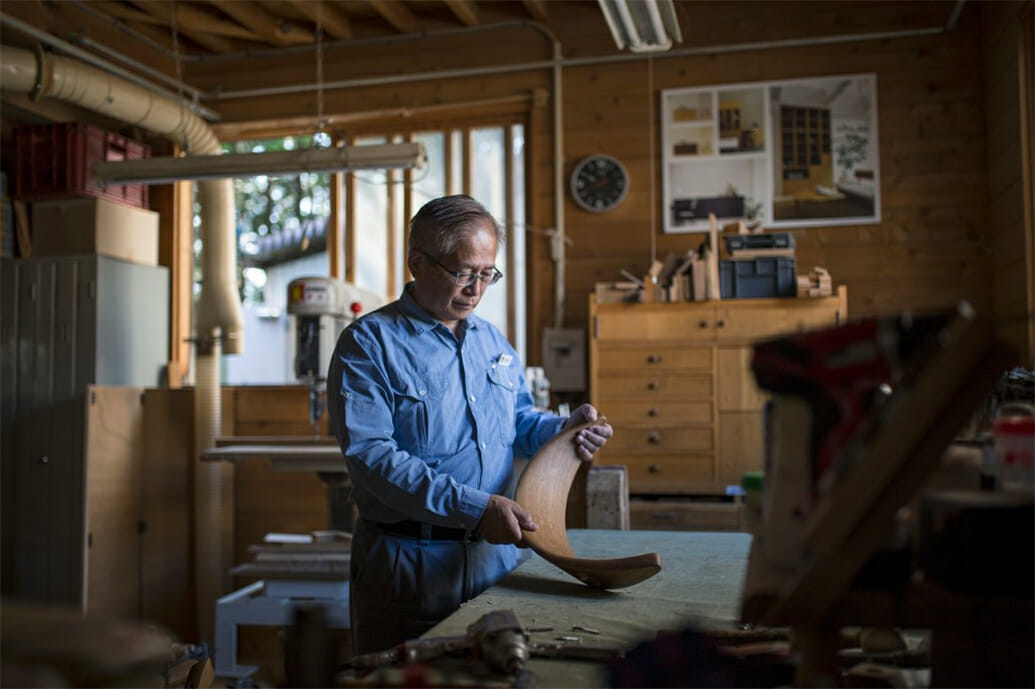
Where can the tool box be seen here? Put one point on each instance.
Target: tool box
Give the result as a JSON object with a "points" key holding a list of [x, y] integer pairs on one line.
{"points": [[772, 240], [758, 278], [53, 161]]}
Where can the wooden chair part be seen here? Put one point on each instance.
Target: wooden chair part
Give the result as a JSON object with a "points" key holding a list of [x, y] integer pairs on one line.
{"points": [[543, 491]]}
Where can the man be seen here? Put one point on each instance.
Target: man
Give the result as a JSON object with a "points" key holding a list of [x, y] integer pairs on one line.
{"points": [[429, 405]]}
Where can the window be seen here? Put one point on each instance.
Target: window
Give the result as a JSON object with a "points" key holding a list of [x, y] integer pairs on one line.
{"points": [[283, 226]]}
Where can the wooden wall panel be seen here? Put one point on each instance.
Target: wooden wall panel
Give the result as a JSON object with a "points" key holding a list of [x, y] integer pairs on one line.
{"points": [[167, 557], [113, 502], [1007, 35], [931, 248], [266, 500]]}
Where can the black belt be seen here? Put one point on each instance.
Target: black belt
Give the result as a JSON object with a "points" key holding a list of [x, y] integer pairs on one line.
{"points": [[427, 532]]}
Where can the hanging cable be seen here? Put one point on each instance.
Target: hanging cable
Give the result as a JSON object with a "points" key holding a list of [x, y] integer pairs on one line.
{"points": [[321, 124]]}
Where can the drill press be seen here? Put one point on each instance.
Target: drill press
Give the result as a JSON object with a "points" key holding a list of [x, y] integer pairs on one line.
{"points": [[319, 310]]}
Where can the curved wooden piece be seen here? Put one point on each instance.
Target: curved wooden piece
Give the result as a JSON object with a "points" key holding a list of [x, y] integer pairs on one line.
{"points": [[543, 491]]}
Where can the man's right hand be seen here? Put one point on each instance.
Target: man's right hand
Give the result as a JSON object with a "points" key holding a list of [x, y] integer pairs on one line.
{"points": [[505, 521]]}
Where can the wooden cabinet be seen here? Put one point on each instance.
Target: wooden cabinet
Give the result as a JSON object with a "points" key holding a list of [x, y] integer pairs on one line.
{"points": [[674, 381]]}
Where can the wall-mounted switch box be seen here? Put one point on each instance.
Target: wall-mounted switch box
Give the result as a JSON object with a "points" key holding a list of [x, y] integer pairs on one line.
{"points": [[564, 358]]}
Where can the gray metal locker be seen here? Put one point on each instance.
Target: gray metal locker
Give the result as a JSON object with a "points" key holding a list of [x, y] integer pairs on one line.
{"points": [[65, 323]]}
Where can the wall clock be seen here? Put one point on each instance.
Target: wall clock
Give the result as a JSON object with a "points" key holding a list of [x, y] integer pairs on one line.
{"points": [[599, 183]]}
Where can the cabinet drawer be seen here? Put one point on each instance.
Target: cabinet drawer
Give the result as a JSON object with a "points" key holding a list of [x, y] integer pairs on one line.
{"points": [[660, 439], [755, 323], [660, 322], [664, 473], [684, 515], [655, 387], [661, 414], [654, 358]]}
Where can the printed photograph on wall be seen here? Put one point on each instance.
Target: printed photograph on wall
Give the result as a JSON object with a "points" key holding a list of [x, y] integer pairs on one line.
{"points": [[786, 153], [824, 133]]}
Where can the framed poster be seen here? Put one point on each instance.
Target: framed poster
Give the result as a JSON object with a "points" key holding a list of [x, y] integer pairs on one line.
{"points": [[789, 153]]}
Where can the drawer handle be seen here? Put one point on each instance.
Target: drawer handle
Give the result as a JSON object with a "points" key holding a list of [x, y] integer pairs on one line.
{"points": [[720, 323], [653, 385], [653, 411], [654, 438], [703, 324], [654, 468], [654, 359], [663, 516]]}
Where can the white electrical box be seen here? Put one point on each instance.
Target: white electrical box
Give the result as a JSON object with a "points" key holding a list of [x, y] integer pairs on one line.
{"points": [[564, 358]]}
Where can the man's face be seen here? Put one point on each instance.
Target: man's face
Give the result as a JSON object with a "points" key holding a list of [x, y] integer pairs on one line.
{"points": [[436, 290]]}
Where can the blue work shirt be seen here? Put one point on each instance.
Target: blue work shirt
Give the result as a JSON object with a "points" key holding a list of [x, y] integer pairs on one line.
{"points": [[430, 423]]}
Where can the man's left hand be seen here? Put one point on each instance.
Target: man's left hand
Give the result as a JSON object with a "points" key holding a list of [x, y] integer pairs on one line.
{"points": [[589, 440]]}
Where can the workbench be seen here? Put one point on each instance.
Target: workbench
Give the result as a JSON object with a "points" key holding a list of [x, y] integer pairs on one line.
{"points": [[699, 586]]}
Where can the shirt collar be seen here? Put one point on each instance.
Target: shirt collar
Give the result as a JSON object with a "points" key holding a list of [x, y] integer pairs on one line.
{"points": [[420, 320]]}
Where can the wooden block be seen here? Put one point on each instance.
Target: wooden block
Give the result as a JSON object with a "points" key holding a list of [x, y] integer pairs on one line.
{"points": [[607, 498]]}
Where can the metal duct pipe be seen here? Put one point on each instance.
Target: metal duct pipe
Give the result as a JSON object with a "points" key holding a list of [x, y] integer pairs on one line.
{"points": [[219, 308]]}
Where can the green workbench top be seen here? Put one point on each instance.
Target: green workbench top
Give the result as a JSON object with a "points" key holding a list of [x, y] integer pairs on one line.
{"points": [[699, 586]]}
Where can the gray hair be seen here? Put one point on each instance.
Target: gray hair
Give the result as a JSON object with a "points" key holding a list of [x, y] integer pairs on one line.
{"points": [[441, 223]]}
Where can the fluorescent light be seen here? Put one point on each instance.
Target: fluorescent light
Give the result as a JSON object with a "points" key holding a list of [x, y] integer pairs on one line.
{"points": [[642, 25], [401, 156]]}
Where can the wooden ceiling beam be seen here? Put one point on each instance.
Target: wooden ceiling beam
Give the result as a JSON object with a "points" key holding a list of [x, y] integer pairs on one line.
{"points": [[191, 19], [162, 10], [334, 22], [536, 8], [127, 13], [465, 11], [396, 14], [274, 29]]}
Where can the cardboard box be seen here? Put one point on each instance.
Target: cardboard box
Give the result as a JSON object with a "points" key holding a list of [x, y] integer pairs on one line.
{"points": [[95, 226]]}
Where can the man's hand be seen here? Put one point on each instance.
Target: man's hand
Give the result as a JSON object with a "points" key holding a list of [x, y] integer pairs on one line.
{"points": [[505, 521], [588, 441]]}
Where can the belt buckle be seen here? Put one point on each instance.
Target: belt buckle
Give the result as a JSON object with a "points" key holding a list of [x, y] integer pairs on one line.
{"points": [[425, 531]]}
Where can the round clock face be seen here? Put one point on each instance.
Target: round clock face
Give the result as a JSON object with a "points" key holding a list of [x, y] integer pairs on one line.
{"points": [[599, 183]]}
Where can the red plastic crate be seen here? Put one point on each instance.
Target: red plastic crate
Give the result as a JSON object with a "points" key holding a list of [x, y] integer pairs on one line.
{"points": [[56, 160]]}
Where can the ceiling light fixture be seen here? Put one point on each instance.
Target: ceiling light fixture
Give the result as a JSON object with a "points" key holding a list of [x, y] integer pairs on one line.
{"points": [[642, 25], [399, 156]]}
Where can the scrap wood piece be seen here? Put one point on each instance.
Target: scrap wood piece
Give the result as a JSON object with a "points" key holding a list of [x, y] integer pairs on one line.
{"points": [[543, 491]]}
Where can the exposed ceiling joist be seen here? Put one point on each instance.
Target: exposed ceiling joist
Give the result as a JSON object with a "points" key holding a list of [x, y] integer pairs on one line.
{"points": [[191, 17], [270, 27], [396, 14], [129, 14], [333, 21], [465, 10], [536, 8]]}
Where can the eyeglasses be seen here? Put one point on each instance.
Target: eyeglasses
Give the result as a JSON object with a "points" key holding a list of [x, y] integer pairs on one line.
{"points": [[467, 279]]}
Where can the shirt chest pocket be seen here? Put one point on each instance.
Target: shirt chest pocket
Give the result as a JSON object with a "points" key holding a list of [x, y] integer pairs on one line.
{"points": [[418, 408], [503, 389]]}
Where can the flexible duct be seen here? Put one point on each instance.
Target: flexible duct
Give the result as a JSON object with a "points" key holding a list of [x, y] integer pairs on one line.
{"points": [[219, 308]]}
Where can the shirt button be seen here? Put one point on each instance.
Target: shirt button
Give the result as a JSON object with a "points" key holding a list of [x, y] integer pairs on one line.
{"points": [[471, 398], [421, 391], [483, 445]]}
